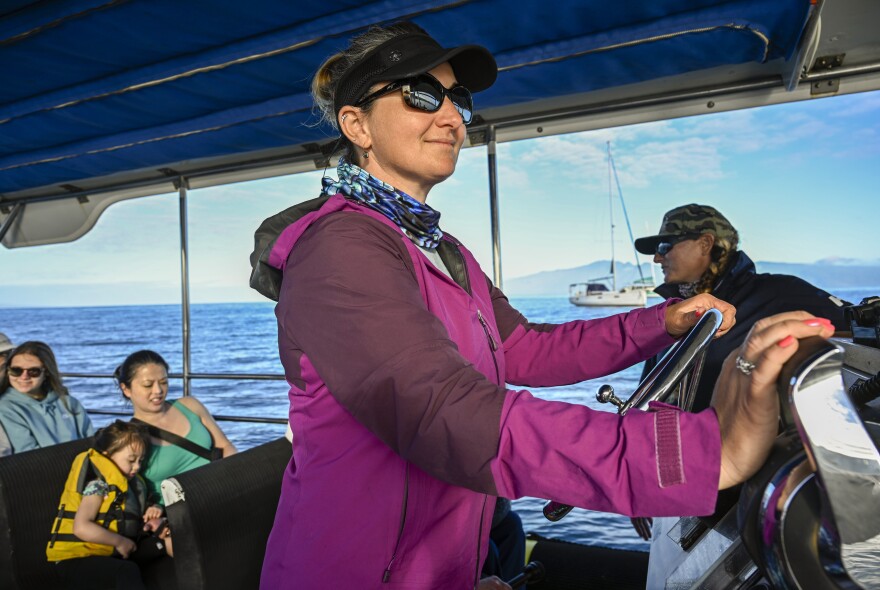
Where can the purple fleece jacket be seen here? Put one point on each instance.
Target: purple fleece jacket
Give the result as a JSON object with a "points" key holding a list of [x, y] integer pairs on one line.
{"points": [[404, 431]]}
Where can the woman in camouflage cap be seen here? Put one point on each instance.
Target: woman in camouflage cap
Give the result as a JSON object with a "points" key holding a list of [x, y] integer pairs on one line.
{"points": [[697, 249]]}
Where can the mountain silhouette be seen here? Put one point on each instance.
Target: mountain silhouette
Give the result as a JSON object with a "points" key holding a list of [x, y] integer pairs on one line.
{"points": [[827, 274]]}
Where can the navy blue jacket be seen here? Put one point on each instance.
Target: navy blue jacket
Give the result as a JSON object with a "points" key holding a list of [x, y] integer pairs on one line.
{"points": [[755, 296]]}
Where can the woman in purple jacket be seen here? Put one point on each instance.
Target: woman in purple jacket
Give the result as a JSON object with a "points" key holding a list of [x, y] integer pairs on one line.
{"points": [[397, 348]]}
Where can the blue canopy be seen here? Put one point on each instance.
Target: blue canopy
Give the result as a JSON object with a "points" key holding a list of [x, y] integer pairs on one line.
{"points": [[104, 100], [94, 88]]}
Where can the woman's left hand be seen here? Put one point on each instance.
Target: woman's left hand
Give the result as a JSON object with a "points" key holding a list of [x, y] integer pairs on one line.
{"points": [[682, 316], [745, 397]]}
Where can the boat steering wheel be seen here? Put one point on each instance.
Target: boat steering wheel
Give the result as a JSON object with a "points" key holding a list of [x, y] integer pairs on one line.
{"points": [[683, 359]]}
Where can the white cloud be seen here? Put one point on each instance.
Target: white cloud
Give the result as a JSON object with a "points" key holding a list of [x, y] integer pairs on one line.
{"points": [[509, 174], [687, 161], [564, 152], [642, 155]]}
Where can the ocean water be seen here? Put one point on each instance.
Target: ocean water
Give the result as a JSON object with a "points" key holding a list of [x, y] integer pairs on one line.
{"points": [[241, 337]]}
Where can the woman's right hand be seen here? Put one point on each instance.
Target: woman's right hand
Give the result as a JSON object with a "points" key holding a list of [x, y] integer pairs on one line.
{"points": [[747, 405], [125, 546], [680, 317]]}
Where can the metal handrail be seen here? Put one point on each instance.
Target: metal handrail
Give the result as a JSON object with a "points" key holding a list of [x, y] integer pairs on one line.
{"points": [[220, 417], [228, 376], [222, 376]]}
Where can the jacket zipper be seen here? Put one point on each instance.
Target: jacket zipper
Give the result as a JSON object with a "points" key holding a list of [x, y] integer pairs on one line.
{"points": [[479, 542], [493, 346], [387, 574]]}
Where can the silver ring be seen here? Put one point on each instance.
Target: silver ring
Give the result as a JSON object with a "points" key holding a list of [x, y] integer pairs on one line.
{"points": [[745, 367]]}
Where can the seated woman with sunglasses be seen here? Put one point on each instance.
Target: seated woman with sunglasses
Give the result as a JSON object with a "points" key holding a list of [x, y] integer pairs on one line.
{"points": [[398, 348], [35, 409]]}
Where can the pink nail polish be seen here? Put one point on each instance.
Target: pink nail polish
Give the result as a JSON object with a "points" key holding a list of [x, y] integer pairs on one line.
{"points": [[698, 313], [816, 322], [786, 342]]}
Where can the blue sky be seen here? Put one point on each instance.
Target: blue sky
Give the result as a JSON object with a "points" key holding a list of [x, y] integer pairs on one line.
{"points": [[799, 181]]}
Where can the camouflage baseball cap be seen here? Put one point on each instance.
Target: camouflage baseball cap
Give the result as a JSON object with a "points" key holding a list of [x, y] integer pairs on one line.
{"points": [[688, 219]]}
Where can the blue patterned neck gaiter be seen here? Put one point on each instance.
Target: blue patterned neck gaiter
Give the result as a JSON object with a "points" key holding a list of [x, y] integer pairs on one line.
{"points": [[420, 223], [687, 290]]}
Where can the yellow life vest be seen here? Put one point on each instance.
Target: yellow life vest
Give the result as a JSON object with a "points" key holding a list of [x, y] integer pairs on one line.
{"points": [[120, 512]]}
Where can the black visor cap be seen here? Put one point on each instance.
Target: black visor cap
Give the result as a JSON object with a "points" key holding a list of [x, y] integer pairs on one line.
{"points": [[413, 54]]}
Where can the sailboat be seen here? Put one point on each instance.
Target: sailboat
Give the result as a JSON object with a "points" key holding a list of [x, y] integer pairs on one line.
{"points": [[596, 292]]}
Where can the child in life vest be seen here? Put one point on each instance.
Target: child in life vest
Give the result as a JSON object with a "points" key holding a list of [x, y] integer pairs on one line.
{"points": [[106, 525]]}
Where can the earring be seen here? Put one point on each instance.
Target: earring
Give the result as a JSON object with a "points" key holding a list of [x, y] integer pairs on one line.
{"points": [[366, 154]]}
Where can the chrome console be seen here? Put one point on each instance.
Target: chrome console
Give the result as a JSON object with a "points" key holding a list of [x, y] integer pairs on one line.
{"points": [[810, 519]]}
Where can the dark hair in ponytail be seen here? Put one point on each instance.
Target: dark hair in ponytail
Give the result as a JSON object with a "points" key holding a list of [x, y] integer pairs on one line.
{"points": [[721, 254], [119, 434], [125, 372]]}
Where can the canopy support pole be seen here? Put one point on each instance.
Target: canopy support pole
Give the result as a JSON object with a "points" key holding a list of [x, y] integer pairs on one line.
{"points": [[7, 224], [184, 284], [806, 51], [493, 206]]}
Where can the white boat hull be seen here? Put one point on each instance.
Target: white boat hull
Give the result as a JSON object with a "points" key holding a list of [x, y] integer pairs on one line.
{"points": [[610, 298]]}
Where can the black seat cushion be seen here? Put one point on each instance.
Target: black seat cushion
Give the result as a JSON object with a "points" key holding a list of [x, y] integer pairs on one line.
{"points": [[30, 486], [220, 529], [224, 522]]}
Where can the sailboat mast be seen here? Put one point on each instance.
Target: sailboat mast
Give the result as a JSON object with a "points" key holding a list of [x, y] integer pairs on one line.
{"points": [[628, 226], [611, 214]]}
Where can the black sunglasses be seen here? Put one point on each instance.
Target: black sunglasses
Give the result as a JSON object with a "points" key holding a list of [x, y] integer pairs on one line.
{"points": [[32, 372], [426, 93], [664, 247]]}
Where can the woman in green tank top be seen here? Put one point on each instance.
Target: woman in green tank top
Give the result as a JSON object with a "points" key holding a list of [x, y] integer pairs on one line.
{"points": [[143, 379]]}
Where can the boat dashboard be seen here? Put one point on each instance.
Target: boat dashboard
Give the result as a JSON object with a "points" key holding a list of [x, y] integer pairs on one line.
{"points": [[810, 518]]}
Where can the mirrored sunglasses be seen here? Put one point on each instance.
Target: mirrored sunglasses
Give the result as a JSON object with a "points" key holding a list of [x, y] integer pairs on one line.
{"points": [[664, 247], [33, 372], [426, 93]]}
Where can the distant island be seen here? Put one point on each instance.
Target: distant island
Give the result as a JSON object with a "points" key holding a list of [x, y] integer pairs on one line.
{"points": [[829, 274]]}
